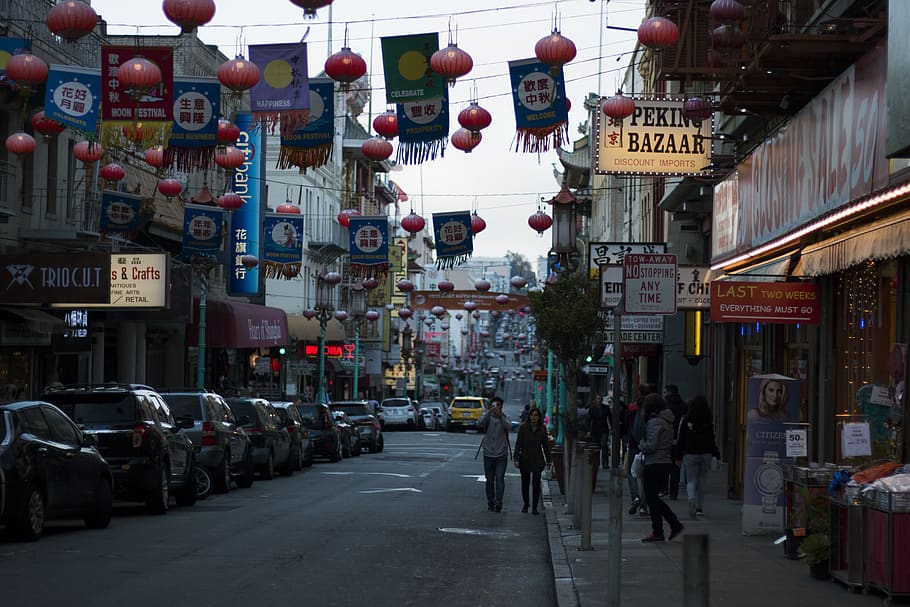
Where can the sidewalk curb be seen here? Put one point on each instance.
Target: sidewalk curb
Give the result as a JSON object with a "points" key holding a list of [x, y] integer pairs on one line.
{"points": [[563, 581]]}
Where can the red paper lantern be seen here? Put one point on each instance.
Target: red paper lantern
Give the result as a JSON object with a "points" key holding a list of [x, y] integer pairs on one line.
{"points": [[465, 140], [540, 222], [728, 36], [228, 132], [344, 217], [502, 299], [555, 50], [386, 124], [238, 74], [230, 201], [155, 156], [404, 285], [518, 282], [27, 70], [20, 143], [445, 286], [229, 157], [309, 6], [189, 14], [345, 66], [405, 313], [413, 223], [697, 109], [727, 11], [46, 126], [170, 187], [483, 285], [287, 208], [658, 33], [469, 305], [88, 151], [618, 107], [71, 19], [478, 225], [340, 315], [376, 149], [249, 261], [474, 118], [451, 62], [112, 172], [371, 315], [138, 76], [713, 59]]}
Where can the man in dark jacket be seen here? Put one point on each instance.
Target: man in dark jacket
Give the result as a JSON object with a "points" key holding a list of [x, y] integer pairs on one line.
{"points": [[678, 407]]}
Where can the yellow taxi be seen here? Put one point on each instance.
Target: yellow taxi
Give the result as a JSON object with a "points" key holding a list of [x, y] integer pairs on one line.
{"points": [[465, 412]]}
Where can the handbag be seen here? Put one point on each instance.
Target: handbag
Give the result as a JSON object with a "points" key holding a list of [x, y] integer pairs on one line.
{"points": [[638, 465]]}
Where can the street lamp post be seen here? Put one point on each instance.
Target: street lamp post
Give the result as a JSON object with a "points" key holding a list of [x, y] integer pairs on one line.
{"points": [[358, 309], [325, 282], [406, 346]]}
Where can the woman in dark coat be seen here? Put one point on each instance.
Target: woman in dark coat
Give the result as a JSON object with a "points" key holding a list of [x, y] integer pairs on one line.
{"points": [[656, 445], [532, 455]]}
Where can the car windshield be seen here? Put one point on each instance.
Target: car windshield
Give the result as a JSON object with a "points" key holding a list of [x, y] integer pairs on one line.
{"points": [[282, 413], [311, 417], [352, 409], [184, 405], [96, 408], [466, 404], [395, 402], [241, 408]]}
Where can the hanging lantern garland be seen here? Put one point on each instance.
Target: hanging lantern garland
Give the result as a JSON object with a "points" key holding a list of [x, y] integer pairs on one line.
{"points": [[478, 225], [228, 132], [474, 118], [345, 66], [618, 108], [413, 223], [189, 14], [155, 156], [697, 109], [344, 217], [728, 37], [112, 172], [170, 187], [376, 149], [230, 202], [71, 20], [230, 158], [28, 71], [288, 208], [727, 11]]}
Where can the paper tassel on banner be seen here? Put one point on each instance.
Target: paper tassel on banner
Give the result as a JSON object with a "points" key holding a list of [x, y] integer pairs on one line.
{"points": [[423, 129], [281, 271], [304, 159], [418, 152], [362, 272], [189, 160], [541, 109], [128, 134], [543, 140]]}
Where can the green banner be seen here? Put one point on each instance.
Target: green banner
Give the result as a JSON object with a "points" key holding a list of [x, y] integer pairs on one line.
{"points": [[406, 63]]}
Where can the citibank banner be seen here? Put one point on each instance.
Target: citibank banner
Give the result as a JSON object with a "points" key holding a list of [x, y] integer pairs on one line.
{"points": [[772, 302], [30, 278], [246, 222]]}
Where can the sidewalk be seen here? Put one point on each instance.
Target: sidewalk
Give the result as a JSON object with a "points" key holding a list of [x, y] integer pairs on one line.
{"points": [[745, 571]]}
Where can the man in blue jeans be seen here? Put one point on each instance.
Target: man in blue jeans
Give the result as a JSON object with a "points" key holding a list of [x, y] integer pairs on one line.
{"points": [[496, 450]]}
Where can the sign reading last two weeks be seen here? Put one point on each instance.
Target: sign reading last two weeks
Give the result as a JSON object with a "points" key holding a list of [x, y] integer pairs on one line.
{"points": [[649, 283], [773, 302]]}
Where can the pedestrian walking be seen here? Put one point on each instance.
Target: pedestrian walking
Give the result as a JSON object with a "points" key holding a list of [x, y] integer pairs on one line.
{"points": [[697, 445], [598, 429], [532, 455], [656, 446], [633, 432], [677, 406], [496, 447]]}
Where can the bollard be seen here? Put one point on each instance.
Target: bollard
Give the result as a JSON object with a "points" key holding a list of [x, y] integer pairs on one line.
{"points": [[586, 499], [695, 570]]}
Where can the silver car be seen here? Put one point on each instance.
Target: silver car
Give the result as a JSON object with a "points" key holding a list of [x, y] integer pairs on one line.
{"points": [[399, 411]]}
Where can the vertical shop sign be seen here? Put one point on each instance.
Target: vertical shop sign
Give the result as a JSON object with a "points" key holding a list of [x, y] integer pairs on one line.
{"points": [[248, 183]]}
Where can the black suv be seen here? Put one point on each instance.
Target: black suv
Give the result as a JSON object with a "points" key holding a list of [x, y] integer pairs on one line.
{"points": [[271, 439], [222, 447], [324, 432], [147, 451], [361, 413]]}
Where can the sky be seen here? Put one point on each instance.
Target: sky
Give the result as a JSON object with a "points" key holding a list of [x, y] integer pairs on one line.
{"points": [[504, 186]]}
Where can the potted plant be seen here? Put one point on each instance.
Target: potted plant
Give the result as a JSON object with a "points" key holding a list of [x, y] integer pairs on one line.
{"points": [[815, 549]]}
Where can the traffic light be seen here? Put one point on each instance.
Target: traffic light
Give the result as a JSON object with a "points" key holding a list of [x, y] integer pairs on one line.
{"points": [[282, 351], [588, 358]]}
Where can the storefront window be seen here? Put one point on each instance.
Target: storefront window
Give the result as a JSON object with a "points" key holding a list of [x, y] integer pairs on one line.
{"points": [[15, 372]]}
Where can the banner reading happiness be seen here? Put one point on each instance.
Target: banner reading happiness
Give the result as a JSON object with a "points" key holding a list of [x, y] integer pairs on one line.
{"points": [[282, 94]]}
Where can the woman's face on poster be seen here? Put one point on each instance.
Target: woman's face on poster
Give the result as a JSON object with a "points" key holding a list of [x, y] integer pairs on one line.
{"points": [[774, 394]]}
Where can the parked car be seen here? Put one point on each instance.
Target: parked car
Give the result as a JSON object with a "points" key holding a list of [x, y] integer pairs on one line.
{"points": [[148, 453], [438, 410], [361, 413], [465, 412], [49, 469], [426, 421], [324, 432], [399, 411], [301, 445], [222, 447], [350, 434], [271, 439]]}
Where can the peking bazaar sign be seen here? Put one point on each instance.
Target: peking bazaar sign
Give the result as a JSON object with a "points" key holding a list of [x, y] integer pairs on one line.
{"points": [[771, 302]]}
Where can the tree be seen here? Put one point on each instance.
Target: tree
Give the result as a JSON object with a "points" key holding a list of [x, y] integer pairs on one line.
{"points": [[568, 321]]}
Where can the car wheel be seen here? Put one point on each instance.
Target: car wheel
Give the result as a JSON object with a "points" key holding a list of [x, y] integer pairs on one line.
{"points": [[28, 523], [157, 501], [298, 461], [186, 495], [222, 479], [245, 480], [268, 471], [99, 517], [356, 449], [374, 446], [205, 484], [308, 461], [346, 448], [336, 454]]}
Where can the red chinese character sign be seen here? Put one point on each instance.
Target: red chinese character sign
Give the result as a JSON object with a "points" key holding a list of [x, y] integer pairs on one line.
{"points": [[125, 105], [454, 238], [541, 107], [369, 246]]}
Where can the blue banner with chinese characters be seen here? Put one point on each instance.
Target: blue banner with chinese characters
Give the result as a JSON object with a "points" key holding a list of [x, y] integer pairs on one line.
{"points": [[248, 182], [119, 213], [423, 129], [282, 94], [197, 102], [283, 245], [73, 97], [311, 146], [541, 109], [203, 229], [369, 250], [454, 239]]}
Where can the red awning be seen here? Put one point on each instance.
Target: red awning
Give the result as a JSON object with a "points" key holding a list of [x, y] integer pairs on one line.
{"points": [[234, 324]]}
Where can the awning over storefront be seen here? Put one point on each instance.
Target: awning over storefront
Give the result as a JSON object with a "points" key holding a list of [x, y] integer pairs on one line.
{"points": [[37, 321], [307, 329], [234, 324], [772, 270], [883, 239]]}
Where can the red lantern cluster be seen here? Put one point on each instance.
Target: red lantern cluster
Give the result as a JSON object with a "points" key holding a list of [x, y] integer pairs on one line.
{"points": [[465, 140], [413, 223], [230, 202], [45, 125], [451, 63], [20, 144], [474, 118], [88, 151], [658, 33], [376, 149], [540, 222], [386, 124], [618, 107], [112, 172], [309, 6], [697, 109], [238, 74], [170, 187], [71, 19], [228, 132], [138, 76], [189, 14], [345, 67], [27, 70], [478, 225], [229, 158], [555, 50]]}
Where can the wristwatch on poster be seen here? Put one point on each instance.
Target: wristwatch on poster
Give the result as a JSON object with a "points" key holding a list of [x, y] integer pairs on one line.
{"points": [[769, 480]]}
